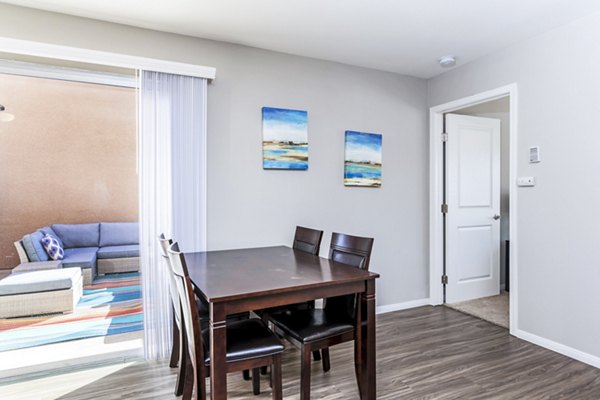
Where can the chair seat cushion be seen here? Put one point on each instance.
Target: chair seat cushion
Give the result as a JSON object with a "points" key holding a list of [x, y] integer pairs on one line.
{"points": [[82, 257], [40, 281], [311, 325], [125, 251], [246, 339], [289, 307]]}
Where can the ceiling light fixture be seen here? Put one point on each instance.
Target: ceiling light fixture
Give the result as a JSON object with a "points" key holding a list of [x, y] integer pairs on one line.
{"points": [[447, 61], [4, 116]]}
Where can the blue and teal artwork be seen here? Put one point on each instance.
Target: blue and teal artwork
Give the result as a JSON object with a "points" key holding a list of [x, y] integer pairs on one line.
{"points": [[362, 163], [285, 139]]}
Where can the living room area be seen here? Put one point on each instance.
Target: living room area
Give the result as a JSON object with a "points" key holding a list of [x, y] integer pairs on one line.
{"points": [[69, 248]]}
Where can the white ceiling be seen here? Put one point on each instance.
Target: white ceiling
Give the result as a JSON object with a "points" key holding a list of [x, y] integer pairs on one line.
{"points": [[404, 36]]}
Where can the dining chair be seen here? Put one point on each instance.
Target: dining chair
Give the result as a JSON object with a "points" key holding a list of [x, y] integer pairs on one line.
{"points": [[202, 306], [177, 350], [250, 343], [308, 241], [318, 329]]}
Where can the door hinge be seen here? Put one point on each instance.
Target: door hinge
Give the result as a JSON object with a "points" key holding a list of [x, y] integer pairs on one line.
{"points": [[444, 279], [444, 137], [444, 208]]}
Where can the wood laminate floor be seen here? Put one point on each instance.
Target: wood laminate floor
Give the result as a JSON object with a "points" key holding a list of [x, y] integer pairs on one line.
{"points": [[423, 353]]}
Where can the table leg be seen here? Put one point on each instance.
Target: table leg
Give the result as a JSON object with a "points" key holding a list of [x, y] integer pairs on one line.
{"points": [[368, 385], [218, 347]]}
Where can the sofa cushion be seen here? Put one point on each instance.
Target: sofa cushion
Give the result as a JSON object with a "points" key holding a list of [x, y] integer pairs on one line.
{"points": [[40, 281], [118, 233], [52, 247], [129, 250], [49, 231], [34, 248], [78, 235], [82, 257]]}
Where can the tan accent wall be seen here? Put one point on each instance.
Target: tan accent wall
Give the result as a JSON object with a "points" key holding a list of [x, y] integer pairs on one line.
{"points": [[69, 156]]}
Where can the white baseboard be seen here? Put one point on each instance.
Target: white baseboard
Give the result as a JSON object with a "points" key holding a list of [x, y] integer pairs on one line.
{"points": [[401, 306], [559, 348]]}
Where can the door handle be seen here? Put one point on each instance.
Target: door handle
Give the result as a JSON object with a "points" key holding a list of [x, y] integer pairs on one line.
{"points": [[496, 217]]}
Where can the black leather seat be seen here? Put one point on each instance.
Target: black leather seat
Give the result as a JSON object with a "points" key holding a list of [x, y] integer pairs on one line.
{"points": [[245, 340], [310, 325]]}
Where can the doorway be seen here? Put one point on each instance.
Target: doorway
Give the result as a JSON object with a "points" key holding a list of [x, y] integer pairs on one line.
{"points": [[473, 206], [69, 156], [477, 222]]}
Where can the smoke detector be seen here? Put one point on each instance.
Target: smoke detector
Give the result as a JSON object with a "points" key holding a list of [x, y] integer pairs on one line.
{"points": [[447, 61]]}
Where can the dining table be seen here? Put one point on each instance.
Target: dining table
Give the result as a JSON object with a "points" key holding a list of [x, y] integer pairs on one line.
{"points": [[240, 280]]}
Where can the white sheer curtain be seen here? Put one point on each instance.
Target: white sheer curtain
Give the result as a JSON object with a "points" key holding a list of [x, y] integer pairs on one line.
{"points": [[172, 167]]}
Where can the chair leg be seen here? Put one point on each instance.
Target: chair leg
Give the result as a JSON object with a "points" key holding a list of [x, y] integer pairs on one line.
{"points": [[357, 364], [255, 381], [276, 378], [176, 344], [317, 355], [305, 374], [326, 362], [202, 387], [183, 365], [246, 374], [264, 370], [188, 380]]}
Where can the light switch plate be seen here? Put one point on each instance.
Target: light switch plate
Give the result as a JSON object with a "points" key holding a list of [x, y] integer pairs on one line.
{"points": [[526, 181]]}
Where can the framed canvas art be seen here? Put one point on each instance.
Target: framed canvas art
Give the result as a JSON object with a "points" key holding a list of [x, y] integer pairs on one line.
{"points": [[362, 162], [285, 139]]}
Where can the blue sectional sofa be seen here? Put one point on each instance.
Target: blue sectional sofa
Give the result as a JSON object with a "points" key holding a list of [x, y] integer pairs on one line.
{"points": [[96, 248]]}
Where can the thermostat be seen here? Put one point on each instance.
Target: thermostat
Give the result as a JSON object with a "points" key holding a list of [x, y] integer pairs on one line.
{"points": [[534, 154]]}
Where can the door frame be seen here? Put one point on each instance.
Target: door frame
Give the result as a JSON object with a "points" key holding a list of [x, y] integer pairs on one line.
{"points": [[436, 126]]}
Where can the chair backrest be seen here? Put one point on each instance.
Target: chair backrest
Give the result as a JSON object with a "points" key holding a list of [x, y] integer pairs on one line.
{"points": [[356, 252], [351, 250], [191, 319], [164, 248], [164, 245], [307, 240]]}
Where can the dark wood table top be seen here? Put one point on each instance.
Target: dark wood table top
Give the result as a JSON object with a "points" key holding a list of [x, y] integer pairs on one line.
{"points": [[235, 274]]}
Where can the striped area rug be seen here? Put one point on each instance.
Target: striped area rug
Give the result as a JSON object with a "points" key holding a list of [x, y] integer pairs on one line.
{"points": [[110, 306]]}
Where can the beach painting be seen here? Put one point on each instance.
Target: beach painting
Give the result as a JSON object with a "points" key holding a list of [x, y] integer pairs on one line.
{"points": [[362, 164], [285, 139]]}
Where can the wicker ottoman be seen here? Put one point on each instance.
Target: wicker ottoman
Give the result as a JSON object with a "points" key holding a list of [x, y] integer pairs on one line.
{"points": [[40, 292], [36, 266]]}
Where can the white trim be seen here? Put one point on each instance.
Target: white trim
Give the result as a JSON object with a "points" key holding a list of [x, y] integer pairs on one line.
{"points": [[436, 116], [17, 46], [401, 306], [578, 355], [67, 74]]}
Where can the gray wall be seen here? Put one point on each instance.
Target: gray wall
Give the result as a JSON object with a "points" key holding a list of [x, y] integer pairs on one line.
{"points": [[498, 109], [559, 109], [248, 206]]}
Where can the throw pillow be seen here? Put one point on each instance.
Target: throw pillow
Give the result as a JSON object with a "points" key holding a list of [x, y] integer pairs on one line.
{"points": [[53, 247]]}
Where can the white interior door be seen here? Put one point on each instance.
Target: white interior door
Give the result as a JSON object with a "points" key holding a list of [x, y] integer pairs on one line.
{"points": [[473, 198]]}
